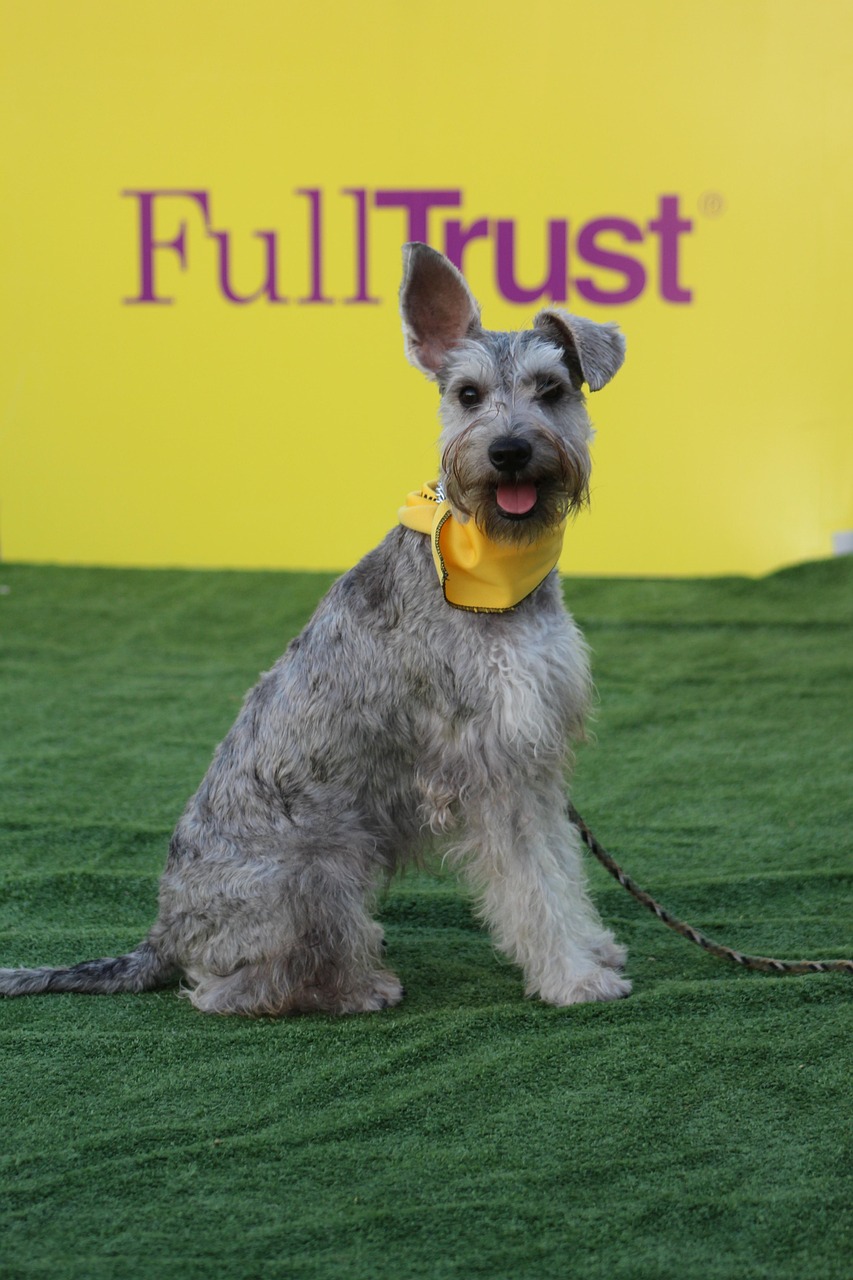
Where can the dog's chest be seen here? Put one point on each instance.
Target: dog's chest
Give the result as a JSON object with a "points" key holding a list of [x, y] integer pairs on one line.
{"points": [[521, 679]]}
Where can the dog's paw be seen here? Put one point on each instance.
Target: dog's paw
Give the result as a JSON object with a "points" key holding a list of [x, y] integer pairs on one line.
{"points": [[601, 983], [607, 951], [379, 990]]}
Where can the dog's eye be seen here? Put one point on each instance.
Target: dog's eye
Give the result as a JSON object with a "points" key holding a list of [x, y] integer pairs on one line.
{"points": [[551, 394], [469, 397]]}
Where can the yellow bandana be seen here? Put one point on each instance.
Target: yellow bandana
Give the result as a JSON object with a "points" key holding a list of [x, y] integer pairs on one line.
{"points": [[476, 574]]}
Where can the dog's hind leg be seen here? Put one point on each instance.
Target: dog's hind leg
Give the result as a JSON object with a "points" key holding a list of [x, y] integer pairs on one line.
{"points": [[310, 946]]}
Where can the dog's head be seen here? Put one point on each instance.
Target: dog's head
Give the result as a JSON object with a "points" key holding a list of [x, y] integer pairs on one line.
{"points": [[516, 434]]}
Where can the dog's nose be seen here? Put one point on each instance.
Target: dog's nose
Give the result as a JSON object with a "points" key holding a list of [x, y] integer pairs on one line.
{"points": [[510, 453]]}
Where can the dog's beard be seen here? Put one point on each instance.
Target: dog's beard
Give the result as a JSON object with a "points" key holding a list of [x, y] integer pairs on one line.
{"points": [[558, 470]]}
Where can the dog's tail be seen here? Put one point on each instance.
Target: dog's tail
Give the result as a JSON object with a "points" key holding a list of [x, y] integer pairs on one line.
{"points": [[142, 969]]}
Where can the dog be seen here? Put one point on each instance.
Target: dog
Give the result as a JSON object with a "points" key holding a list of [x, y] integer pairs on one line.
{"points": [[434, 698]]}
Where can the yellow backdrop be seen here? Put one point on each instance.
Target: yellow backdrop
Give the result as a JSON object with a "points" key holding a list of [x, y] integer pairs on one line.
{"points": [[200, 232]]}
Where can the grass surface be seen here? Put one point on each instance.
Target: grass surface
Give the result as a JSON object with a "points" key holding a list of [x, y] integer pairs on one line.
{"points": [[698, 1129]]}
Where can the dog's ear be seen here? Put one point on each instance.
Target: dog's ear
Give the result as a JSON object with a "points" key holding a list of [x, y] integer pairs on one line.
{"points": [[437, 306], [594, 352]]}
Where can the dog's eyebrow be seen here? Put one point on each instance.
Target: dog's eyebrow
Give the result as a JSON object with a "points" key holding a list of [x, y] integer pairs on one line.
{"points": [[543, 364], [468, 363]]}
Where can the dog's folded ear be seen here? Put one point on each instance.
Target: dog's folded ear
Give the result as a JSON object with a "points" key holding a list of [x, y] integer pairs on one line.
{"points": [[437, 306], [593, 352]]}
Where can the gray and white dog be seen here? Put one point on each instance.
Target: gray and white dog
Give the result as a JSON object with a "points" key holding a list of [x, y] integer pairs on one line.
{"points": [[396, 720]]}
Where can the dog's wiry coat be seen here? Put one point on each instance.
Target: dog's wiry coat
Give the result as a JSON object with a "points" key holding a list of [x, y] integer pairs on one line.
{"points": [[395, 721]]}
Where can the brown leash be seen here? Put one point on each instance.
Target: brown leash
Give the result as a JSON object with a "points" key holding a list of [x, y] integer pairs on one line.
{"points": [[765, 963]]}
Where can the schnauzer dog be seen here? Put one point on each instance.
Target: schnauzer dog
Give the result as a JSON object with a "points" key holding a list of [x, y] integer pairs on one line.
{"points": [[434, 696]]}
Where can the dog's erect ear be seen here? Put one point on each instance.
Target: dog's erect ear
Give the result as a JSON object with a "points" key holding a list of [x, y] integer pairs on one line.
{"points": [[437, 307], [594, 352]]}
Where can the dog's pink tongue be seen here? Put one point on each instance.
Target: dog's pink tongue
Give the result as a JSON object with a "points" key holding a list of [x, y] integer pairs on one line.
{"points": [[516, 499]]}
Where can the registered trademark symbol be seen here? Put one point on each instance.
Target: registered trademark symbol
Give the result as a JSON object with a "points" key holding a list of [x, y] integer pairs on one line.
{"points": [[712, 204]]}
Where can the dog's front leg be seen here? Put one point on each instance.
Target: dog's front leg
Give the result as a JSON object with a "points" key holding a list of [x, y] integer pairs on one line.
{"points": [[524, 862]]}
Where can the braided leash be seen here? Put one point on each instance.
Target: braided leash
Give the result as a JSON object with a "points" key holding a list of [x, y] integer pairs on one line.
{"points": [[765, 963]]}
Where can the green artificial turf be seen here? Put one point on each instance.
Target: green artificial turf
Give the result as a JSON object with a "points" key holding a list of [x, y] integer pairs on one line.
{"points": [[698, 1129]]}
